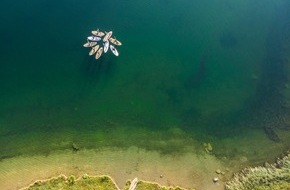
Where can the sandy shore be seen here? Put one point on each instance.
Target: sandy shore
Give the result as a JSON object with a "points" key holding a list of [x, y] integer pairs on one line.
{"points": [[188, 170], [194, 168]]}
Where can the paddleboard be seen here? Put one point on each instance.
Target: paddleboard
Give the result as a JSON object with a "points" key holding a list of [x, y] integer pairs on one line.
{"points": [[94, 50], [114, 50], [115, 41], [106, 46], [90, 44], [99, 53], [98, 33], [107, 36], [94, 38]]}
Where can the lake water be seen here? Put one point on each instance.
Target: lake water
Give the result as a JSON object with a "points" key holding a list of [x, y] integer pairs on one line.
{"points": [[188, 72]]}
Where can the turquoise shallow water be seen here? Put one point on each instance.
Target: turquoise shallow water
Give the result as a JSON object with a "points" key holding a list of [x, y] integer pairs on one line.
{"points": [[211, 69]]}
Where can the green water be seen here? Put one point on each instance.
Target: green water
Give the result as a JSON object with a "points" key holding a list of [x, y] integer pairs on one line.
{"points": [[187, 70]]}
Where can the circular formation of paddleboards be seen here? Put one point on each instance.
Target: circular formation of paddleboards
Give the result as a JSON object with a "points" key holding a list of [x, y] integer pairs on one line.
{"points": [[105, 41]]}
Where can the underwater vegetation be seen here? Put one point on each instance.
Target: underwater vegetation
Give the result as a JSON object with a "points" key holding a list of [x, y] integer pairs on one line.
{"points": [[270, 177], [87, 182]]}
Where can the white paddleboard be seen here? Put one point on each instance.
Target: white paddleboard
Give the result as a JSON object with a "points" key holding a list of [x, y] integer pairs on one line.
{"points": [[114, 50], [94, 38], [106, 46]]}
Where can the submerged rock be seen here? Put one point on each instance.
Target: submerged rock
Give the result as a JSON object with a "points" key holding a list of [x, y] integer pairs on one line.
{"points": [[243, 159], [75, 147], [208, 148], [218, 171]]}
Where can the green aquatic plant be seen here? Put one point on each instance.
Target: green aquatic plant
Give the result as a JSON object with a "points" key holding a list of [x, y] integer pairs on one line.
{"points": [[144, 185], [71, 183], [270, 177], [87, 182], [71, 180]]}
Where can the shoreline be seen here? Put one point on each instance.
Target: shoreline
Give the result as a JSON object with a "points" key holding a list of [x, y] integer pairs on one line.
{"points": [[194, 168], [269, 176], [186, 171], [87, 182]]}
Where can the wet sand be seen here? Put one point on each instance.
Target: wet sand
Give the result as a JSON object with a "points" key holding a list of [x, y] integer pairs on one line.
{"points": [[188, 170]]}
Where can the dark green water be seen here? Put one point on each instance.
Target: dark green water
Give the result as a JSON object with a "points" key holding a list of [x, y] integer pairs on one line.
{"points": [[211, 69]]}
